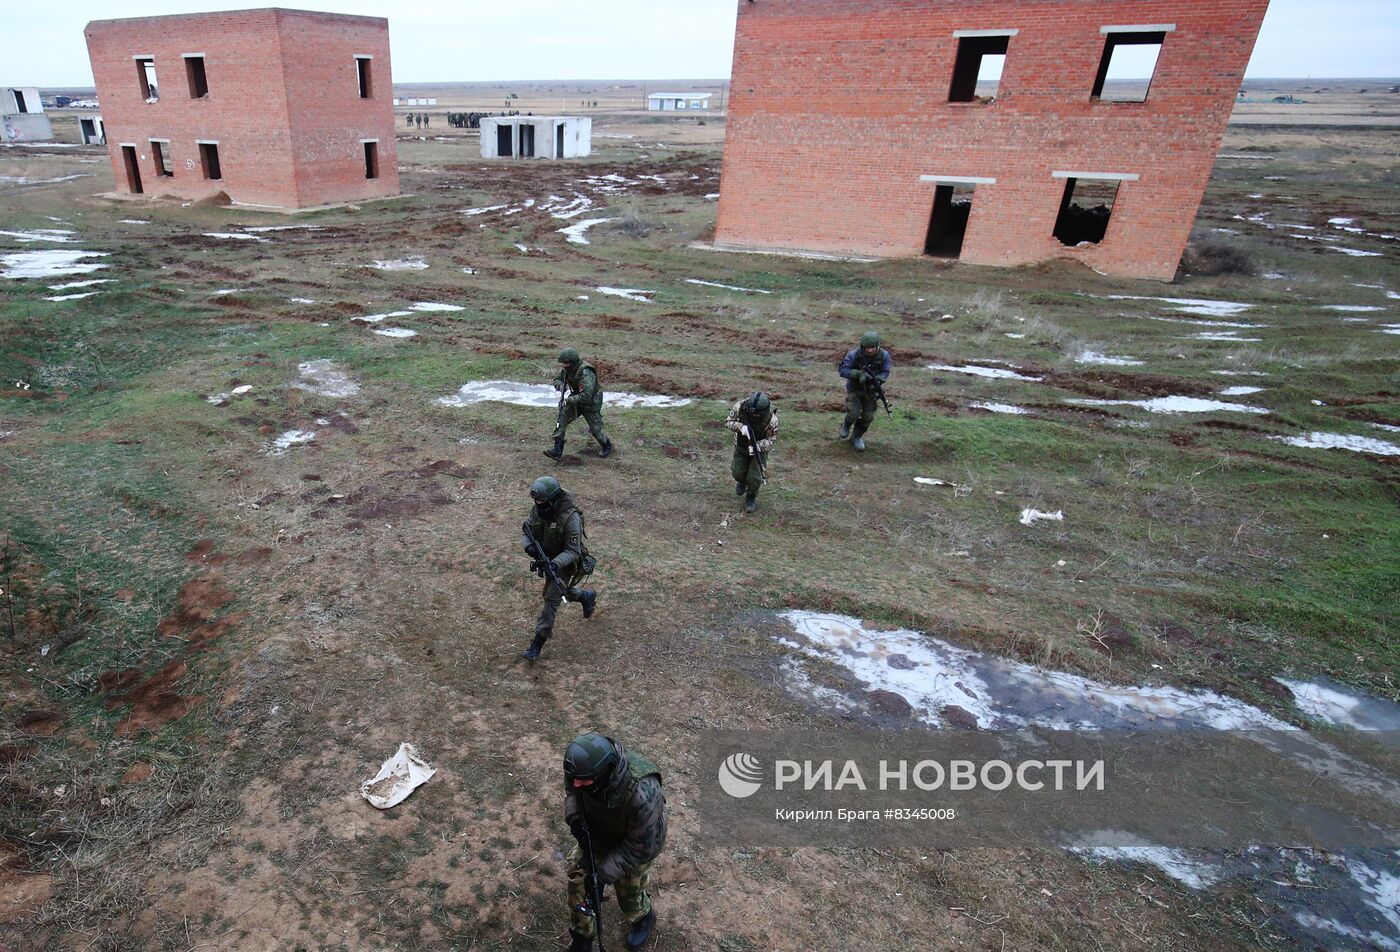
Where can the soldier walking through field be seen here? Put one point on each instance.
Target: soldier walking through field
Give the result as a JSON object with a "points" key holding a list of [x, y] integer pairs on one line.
{"points": [[754, 422], [616, 811], [554, 538], [866, 368], [579, 396]]}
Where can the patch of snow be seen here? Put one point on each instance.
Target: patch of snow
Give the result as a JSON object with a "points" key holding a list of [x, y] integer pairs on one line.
{"points": [[49, 263], [1126, 848], [1229, 336], [1239, 373], [544, 395], [1175, 405], [1000, 408], [80, 284], [262, 228], [992, 373], [1202, 306], [1355, 252], [575, 233], [1389, 329], [1387, 427], [1341, 221], [473, 212], [1030, 517], [1093, 357], [1335, 704], [376, 318], [631, 294], [1340, 441], [523, 249], [21, 180], [52, 235], [396, 332], [432, 306], [712, 196], [223, 291], [1240, 391], [289, 439], [1016, 336], [303, 301], [72, 297], [242, 389], [931, 481], [727, 287], [133, 221], [234, 236], [1353, 308], [325, 379], [401, 264], [1202, 323]]}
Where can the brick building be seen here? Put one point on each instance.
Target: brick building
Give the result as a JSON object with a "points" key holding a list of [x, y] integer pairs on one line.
{"points": [[282, 108], [876, 127]]}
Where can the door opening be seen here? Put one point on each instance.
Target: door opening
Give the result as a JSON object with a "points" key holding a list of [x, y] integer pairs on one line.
{"points": [[133, 170], [527, 141], [947, 224], [503, 149], [559, 141]]}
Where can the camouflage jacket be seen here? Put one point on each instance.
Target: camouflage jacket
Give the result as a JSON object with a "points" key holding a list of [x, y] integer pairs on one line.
{"points": [[629, 829], [584, 391], [559, 529], [767, 438], [878, 367]]}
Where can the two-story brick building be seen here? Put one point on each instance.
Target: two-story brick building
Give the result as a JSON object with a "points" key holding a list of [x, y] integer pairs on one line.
{"points": [[281, 108], [861, 127]]}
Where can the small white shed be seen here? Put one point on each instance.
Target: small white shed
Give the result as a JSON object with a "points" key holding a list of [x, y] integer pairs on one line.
{"points": [[536, 137], [674, 102], [22, 116]]}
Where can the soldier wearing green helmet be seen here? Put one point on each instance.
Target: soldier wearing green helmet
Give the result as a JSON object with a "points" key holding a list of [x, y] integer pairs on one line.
{"points": [[754, 422], [579, 396], [614, 804], [866, 368], [555, 539]]}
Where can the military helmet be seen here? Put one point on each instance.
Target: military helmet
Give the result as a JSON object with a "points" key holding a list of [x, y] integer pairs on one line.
{"points": [[591, 757], [569, 356], [759, 402], [870, 339], [545, 489]]}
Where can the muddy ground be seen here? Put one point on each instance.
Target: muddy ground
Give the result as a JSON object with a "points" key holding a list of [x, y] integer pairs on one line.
{"points": [[233, 586]]}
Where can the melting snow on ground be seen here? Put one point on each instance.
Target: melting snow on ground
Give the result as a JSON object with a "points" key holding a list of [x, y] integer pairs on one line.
{"points": [[376, 318], [289, 439], [400, 264], [49, 263], [396, 332], [1339, 441], [80, 284], [325, 379], [727, 287], [1335, 704], [631, 294], [1175, 405], [234, 236], [544, 395], [1355, 252], [53, 235], [1000, 408], [1094, 357], [1125, 848], [433, 306], [1240, 391], [1230, 336], [1205, 307], [71, 297], [575, 232], [1390, 328], [993, 373], [1030, 517], [1353, 308]]}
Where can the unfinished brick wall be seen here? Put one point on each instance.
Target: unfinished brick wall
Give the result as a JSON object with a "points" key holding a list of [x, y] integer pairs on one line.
{"points": [[839, 107], [283, 104]]}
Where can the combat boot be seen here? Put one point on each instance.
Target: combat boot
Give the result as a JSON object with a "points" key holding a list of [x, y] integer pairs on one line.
{"points": [[857, 439], [605, 450], [845, 429], [639, 933], [750, 503], [740, 489], [580, 943], [557, 452], [536, 646], [589, 600]]}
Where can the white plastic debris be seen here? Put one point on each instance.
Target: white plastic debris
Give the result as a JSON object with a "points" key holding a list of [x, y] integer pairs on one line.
{"points": [[1030, 517], [398, 776]]}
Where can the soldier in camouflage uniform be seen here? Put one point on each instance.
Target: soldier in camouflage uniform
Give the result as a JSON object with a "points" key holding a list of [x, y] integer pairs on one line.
{"points": [[557, 524], [583, 397], [865, 364], [755, 425], [615, 794]]}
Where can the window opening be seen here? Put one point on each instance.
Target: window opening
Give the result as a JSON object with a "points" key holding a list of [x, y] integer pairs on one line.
{"points": [[947, 225], [133, 170], [19, 101], [1085, 211], [362, 69], [1128, 65], [146, 71], [503, 144], [209, 160], [160, 151], [199, 81], [371, 160], [977, 70]]}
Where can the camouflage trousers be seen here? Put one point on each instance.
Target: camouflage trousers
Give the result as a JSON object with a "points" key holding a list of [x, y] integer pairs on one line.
{"points": [[594, 419], [860, 409], [632, 898], [744, 469], [544, 625]]}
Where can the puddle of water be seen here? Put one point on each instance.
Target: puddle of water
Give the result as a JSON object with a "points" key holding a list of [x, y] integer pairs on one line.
{"points": [[727, 287], [53, 235], [1240, 391], [400, 264], [1030, 517], [396, 332], [1175, 405], [993, 373], [1325, 700], [631, 294], [1001, 408], [234, 236], [575, 232], [432, 306], [71, 297], [1340, 441], [1093, 357], [544, 395], [325, 379], [1202, 306], [289, 439], [49, 263]]}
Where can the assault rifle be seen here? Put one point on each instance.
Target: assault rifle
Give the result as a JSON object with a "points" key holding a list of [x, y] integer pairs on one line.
{"points": [[546, 567], [879, 389], [751, 441], [592, 905]]}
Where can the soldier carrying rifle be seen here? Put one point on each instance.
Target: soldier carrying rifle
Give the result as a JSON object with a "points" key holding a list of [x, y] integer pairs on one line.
{"points": [[866, 368], [754, 422]]}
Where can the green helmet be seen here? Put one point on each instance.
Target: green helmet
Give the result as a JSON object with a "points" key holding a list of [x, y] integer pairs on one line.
{"points": [[569, 356], [592, 757], [870, 339], [759, 402], [545, 489]]}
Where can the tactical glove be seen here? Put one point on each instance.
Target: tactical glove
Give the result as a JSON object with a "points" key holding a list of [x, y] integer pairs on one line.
{"points": [[576, 826], [858, 376], [558, 384]]}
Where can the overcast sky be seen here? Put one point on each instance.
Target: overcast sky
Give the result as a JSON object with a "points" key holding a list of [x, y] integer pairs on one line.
{"points": [[441, 40]]}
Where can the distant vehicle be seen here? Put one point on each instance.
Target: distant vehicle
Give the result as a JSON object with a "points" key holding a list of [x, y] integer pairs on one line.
{"points": [[82, 103]]}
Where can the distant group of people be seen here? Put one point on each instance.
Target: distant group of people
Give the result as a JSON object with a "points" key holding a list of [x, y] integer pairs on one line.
{"points": [[419, 119]]}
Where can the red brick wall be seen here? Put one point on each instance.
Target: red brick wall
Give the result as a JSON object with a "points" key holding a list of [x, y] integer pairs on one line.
{"points": [[838, 106], [287, 123]]}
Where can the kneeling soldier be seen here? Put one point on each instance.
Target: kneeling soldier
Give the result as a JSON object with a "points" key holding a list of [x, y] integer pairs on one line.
{"points": [[554, 539], [616, 811], [755, 424]]}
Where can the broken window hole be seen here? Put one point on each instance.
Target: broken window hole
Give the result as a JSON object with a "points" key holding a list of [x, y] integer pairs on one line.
{"points": [[1128, 66], [1085, 211], [146, 72], [194, 72], [947, 225], [979, 65]]}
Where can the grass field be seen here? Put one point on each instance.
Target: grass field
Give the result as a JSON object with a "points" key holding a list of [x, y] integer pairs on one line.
{"points": [[208, 640]]}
